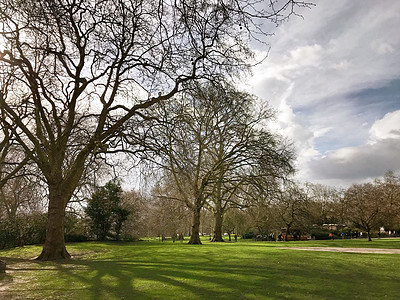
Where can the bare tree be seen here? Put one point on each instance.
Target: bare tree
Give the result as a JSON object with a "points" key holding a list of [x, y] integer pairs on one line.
{"points": [[80, 69], [234, 221], [137, 224], [180, 151], [182, 139], [213, 146], [325, 205], [166, 215], [364, 203], [20, 195], [249, 157], [389, 187], [291, 204]]}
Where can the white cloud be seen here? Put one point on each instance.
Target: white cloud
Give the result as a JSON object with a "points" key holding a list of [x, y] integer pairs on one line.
{"points": [[315, 70], [382, 47], [309, 55], [387, 127], [370, 160], [349, 165]]}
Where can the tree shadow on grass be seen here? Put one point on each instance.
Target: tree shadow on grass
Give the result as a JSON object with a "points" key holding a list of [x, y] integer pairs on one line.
{"points": [[169, 279], [286, 275]]}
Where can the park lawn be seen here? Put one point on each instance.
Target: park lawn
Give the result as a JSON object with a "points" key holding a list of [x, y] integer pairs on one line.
{"points": [[242, 270]]}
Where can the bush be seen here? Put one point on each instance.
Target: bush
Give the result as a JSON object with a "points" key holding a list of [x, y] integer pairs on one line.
{"points": [[248, 235], [22, 230], [31, 229], [76, 238], [128, 238], [320, 234], [76, 228], [106, 213]]}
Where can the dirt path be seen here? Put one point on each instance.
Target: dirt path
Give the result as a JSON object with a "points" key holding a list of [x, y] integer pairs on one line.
{"points": [[349, 250]]}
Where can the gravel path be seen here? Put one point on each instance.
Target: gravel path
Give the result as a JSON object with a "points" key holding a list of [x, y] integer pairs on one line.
{"points": [[350, 250]]}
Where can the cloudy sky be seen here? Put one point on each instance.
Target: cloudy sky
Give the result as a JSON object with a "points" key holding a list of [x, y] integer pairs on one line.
{"points": [[334, 77]]}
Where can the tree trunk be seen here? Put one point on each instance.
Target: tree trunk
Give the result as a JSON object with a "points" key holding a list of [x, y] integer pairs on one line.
{"points": [[195, 237], [54, 245], [369, 236], [218, 223]]}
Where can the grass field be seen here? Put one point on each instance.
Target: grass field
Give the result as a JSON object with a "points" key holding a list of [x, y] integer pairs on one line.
{"points": [[242, 270]]}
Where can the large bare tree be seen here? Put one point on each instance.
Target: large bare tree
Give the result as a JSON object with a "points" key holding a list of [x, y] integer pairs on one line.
{"points": [[212, 144], [249, 157], [77, 70]]}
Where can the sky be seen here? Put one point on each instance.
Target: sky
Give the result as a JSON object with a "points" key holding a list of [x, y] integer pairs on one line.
{"points": [[334, 78]]}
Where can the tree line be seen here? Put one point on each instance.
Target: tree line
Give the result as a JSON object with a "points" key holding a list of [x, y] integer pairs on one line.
{"points": [[300, 209], [304, 209]]}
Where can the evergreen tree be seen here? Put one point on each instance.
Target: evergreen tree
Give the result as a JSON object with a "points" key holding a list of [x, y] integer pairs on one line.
{"points": [[105, 211]]}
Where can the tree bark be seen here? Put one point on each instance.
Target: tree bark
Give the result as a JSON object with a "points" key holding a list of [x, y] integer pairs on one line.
{"points": [[369, 236], [218, 215], [54, 245], [195, 237]]}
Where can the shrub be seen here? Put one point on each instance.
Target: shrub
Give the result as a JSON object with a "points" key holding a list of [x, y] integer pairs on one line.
{"points": [[320, 234], [248, 235], [76, 237], [23, 230]]}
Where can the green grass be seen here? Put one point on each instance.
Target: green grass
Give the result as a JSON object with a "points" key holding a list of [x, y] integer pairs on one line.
{"points": [[242, 270]]}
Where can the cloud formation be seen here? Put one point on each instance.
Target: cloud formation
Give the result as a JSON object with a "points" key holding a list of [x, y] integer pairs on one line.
{"points": [[334, 78], [370, 160]]}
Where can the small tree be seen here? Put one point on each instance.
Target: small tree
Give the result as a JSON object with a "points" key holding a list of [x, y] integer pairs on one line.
{"points": [[105, 211]]}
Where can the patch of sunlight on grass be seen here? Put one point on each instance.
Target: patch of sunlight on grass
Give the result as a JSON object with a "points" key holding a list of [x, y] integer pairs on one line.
{"points": [[108, 280]]}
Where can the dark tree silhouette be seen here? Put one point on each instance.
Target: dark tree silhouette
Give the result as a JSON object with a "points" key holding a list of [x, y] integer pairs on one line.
{"points": [[105, 211]]}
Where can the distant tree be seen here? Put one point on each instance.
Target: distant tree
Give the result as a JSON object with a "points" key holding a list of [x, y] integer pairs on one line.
{"points": [[20, 195], [390, 190], [137, 224], [121, 215], [180, 139], [247, 154], [325, 205], [291, 204], [170, 216], [365, 209], [105, 211], [264, 218], [234, 222]]}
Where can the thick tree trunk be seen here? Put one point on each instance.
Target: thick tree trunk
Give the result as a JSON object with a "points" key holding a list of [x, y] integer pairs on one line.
{"points": [[54, 245], [218, 215], [195, 237]]}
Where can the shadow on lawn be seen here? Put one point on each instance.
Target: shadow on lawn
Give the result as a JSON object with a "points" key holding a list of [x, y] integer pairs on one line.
{"points": [[280, 275], [207, 281]]}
